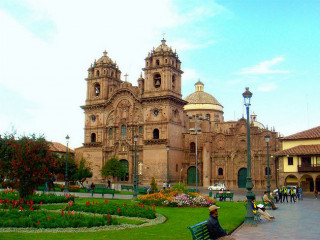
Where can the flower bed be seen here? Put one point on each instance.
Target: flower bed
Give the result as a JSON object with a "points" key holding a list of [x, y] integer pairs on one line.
{"points": [[36, 197], [44, 219], [176, 198], [114, 209]]}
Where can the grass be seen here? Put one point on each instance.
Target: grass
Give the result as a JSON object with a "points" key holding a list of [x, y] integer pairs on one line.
{"points": [[231, 215]]}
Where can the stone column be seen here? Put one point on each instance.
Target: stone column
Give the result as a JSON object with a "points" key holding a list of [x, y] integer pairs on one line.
{"points": [[206, 157]]}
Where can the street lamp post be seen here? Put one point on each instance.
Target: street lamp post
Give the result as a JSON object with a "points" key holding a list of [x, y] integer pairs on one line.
{"points": [[168, 148], [267, 139], [196, 131], [249, 219], [135, 167], [66, 177]]}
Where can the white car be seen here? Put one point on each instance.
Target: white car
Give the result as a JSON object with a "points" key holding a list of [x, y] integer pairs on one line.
{"points": [[217, 187]]}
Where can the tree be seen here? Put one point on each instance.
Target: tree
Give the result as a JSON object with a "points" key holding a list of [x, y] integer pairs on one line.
{"points": [[26, 162], [113, 168], [61, 166], [83, 172]]}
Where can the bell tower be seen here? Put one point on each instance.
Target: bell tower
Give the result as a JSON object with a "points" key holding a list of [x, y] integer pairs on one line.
{"points": [[163, 110], [103, 78], [162, 72]]}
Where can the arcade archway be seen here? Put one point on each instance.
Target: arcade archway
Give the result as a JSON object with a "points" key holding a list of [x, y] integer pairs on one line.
{"points": [[306, 183]]}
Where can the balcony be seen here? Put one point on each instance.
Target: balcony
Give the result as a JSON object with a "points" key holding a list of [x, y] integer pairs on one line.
{"points": [[309, 168]]}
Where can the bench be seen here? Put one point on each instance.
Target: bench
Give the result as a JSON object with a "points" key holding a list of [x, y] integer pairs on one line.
{"points": [[224, 196], [142, 190], [103, 190], [125, 187], [193, 190], [228, 195], [200, 231]]}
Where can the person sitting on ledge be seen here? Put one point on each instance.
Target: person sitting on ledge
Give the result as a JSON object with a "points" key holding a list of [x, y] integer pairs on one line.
{"points": [[261, 210], [266, 200], [214, 228]]}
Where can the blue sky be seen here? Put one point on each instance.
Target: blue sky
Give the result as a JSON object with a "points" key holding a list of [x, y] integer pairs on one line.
{"points": [[270, 46]]}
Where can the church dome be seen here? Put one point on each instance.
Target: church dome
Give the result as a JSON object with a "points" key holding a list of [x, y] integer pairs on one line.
{"points": [[163, 47], [202, 100], [105, 59]]}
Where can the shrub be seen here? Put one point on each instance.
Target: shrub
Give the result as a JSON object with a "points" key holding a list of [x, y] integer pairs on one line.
{"points": [[107, 207], [180, 187], [44, 219], [154, 185], [36, 197], [176, 198]]}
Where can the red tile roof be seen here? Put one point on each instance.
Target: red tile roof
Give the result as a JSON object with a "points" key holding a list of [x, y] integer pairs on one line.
{"points": [[300, 150], [307, 134], [58, 147]]}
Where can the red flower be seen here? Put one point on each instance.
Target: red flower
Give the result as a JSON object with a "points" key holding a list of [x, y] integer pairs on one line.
{"points": [[38, 223], [49, 218], [124, 204], [153, 207], [31, 208], [137, 212], [118, 210], [88, 203], [106, 201], [21, 208]]}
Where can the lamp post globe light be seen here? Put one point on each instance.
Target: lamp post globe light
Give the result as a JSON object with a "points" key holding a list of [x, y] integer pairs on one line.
{"points": [[66, 177], [135, 167], [168, 182], [196, 131], [267, 139], [249, 219]]}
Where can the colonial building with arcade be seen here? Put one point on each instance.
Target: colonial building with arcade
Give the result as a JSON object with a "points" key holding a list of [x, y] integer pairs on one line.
{"points": [[174, 135]]}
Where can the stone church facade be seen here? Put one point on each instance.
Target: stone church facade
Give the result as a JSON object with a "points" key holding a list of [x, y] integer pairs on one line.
{"points": [[171, 132]]}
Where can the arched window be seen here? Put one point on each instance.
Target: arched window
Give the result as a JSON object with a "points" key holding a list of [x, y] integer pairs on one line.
{"points": [[93, 118], [93, 137], [173, 81], [97, 73], [192, 147], [157, 62], [157, 80], [110, 131], [140, 129], [97, 89], [220, 171], [156, 133], [266, 171], [208, 116], [123, 131]]}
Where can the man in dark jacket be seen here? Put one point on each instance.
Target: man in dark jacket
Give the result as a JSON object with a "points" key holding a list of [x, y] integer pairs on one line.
{"points": [[213, 225]]}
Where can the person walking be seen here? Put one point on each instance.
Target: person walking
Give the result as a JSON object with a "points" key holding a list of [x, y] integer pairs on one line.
{"points": [[292, 195], [316, 193], [285, 193], [300, 194]]}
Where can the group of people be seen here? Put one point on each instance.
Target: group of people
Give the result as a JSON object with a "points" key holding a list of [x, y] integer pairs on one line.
{"points": [[283, 193]]}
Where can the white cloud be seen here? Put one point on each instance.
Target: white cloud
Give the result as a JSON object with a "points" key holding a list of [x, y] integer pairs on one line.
{"points": [[189, 75], [47, 66], [267, 87], [265, 67]]}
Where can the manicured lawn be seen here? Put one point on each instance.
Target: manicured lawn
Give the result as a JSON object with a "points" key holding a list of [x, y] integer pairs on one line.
{"points": [[231, 215]]}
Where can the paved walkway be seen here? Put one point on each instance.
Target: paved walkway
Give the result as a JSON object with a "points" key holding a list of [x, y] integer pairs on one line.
{"points": [[293, 221]]}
